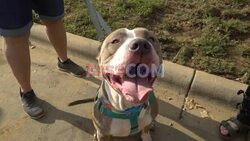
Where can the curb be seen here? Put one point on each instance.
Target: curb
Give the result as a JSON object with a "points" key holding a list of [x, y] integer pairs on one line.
{"points": [[216, 88], [184, 80], [77, 45]]}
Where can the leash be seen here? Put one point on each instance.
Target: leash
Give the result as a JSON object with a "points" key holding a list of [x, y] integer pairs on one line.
{"points": [[87, 100], [101, 26]]}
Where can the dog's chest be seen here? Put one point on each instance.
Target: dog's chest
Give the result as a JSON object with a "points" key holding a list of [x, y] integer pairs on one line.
{"points": [[122, 127]]}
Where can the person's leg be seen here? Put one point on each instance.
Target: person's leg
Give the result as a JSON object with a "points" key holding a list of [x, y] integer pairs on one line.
{"points": [[51, 13], [17, 53], [15, 23], [16, 50], [57, 36]]}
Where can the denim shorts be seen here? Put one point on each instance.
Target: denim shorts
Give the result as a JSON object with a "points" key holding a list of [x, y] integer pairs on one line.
{"points": [[16, 15]]}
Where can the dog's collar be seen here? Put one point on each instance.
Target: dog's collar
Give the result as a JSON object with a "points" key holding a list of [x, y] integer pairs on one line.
{"points": [[106, 108]]}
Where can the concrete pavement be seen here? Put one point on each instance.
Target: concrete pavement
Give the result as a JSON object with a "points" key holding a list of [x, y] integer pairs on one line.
{"points": [[57, 89]]}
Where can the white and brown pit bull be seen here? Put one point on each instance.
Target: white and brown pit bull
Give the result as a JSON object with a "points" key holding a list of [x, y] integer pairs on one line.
{"points": [[126, 104]]}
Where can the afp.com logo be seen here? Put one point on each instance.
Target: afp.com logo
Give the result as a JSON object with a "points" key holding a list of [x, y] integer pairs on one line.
{"points": [[130, 70]]}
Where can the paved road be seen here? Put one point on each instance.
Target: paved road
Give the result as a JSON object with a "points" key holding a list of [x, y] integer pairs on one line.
{"points": [[65, 123]]}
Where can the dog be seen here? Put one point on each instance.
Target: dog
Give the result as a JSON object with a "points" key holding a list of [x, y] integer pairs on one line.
{"points": [[125, 103]]}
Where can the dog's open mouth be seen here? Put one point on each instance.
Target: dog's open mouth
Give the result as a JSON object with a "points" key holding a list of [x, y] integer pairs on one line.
{"points": [[135, 84]]}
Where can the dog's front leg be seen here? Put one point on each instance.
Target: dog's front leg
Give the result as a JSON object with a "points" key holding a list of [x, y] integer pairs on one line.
{"points": [[146, 136], [99, 137]]}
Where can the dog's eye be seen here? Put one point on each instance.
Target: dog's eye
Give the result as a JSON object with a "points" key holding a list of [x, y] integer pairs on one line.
{"points": [[115, 41], [152, 39]]}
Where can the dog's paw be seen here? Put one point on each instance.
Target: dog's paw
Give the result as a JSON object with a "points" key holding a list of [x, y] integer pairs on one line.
{"points": [[146, 137], [95, 136], [152, 126]]}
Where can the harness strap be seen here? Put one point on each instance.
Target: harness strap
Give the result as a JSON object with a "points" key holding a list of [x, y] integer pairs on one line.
{"points": [[132, 116]]}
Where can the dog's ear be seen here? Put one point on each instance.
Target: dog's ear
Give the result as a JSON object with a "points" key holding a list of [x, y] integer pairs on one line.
{"points": [[98, 55], [98, 58]]}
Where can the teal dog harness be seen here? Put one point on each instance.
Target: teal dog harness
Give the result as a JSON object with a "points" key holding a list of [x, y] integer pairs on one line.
{"points": [[131, 114]]}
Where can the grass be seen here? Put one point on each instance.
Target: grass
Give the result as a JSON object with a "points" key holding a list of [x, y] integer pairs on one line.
{"points": [[122, 13], [212, 42], [217, 66], [213, 36], [235, 27]]}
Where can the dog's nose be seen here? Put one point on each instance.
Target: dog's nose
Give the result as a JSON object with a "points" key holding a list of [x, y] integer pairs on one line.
{"points": [[139, 46]]}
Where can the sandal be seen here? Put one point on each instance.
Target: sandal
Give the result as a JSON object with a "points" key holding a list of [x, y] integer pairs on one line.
{"points": [[232, 128]]}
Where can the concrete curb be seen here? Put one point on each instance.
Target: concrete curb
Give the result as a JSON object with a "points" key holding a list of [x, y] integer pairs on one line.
{"points": [[183, 80], [178, 78], [216, 87], [77, 45]]}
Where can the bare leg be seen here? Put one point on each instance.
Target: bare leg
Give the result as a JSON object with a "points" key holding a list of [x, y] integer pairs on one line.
{"points": [[57, 36], [17, 54]]}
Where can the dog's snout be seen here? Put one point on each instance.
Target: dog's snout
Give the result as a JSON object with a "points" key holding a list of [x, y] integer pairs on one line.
{"points": [[139, 46]]}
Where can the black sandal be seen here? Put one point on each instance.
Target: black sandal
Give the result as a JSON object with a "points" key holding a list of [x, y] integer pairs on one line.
{"points": [[240, 124], [234, 128]]}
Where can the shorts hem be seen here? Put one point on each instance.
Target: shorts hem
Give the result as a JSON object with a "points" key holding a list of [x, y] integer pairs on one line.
{"points": [[16, 32], [50, 18]]}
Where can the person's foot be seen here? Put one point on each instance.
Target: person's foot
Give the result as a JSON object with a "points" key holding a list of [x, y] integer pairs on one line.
{"points": [[31, 105], [238, 125], [232, 128], [71, 67]]}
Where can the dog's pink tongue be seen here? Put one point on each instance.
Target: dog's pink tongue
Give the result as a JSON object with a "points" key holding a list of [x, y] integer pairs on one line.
{"points": [[136, 89]]}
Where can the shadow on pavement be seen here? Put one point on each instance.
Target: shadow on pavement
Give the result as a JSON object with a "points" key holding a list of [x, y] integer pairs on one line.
{"points": [[204, 128], [93, 79], [0, 114], [163, 133], [85, 124], [53, 114]]}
